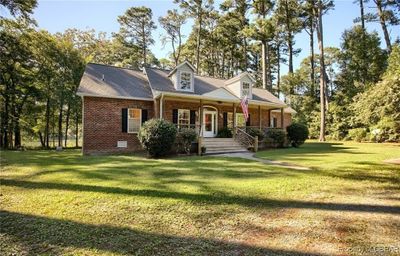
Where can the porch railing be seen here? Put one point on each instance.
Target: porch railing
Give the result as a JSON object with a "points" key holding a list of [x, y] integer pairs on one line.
{"points": [[246, 139]]}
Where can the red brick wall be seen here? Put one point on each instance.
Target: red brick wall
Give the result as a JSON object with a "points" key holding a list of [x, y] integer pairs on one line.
{"points": [[287, 118], [102, 125]]}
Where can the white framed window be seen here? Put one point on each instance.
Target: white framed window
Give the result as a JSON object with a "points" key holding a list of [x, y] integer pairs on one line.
{"points": [[246, 89], [240, 120], [183, 118], [185, 81], [134, 120]]}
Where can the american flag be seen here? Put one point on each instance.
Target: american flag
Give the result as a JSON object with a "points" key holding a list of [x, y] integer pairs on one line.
{"points": [[245, 107]]}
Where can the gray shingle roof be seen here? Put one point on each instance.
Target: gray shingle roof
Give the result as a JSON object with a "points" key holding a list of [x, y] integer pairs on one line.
{"points": [[118, 82], [129, 83]]}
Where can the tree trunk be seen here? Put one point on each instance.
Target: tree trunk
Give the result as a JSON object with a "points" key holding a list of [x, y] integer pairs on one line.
{"points": [[76, 129], [278, 68], [67, 124], [60, 119], [264, 64], [17, 131], [198, 43], [383, 24], [42, 142], [47, 127], [362, 17], [322, 79], [5, 121], [312, 62]]}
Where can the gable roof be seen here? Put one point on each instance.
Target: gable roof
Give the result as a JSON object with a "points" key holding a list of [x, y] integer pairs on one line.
{"points": [[117, 83], [135, 84], [180, 65], [238, 77]]}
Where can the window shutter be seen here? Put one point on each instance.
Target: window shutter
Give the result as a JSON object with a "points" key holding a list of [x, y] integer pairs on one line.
{"points": [[124, 120], [248, 121], [225, 122], [175, 116], [144, 115], [192, 118]]}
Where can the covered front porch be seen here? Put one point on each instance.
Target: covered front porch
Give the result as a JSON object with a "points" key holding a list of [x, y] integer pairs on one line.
{"points": [[208, 116]]}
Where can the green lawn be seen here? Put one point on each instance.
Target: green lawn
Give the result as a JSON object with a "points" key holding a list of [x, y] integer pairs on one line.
{"points": [[64, 203]]}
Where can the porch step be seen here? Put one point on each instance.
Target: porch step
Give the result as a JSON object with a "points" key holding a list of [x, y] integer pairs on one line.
{"points": [[222, 146]]}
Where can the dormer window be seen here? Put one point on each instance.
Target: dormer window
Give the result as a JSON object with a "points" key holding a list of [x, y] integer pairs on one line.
{"points": [[246, 90], [185, 81]]}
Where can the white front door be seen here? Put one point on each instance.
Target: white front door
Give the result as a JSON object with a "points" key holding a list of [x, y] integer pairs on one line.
{"points": [[209, 124]]}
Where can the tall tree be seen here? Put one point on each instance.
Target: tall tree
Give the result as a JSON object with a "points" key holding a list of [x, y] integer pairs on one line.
{"points": [[386, 16], [172, 24], [322, 80], [136, 27], [263, 30], [198, 10]]}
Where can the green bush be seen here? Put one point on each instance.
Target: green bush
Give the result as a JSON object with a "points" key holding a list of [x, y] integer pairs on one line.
{"points": [[297, 133], [357, 134], [256, 132], [387, 130], [224, 133], [184, 139], [157, 136], [276, 136]]}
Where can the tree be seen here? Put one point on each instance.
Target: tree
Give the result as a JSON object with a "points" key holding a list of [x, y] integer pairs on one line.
{"points": [[322, 83], [198, 10], [19, 8], [263, 30], [136, 27], [172, 24], [385, 15]]}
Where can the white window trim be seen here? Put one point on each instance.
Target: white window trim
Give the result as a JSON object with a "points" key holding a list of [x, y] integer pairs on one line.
{"points": [[178, 86], [250, 95], [179, 111], [140, 124]]}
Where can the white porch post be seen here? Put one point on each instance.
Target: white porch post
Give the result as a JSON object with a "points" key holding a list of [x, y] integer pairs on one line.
{"points": [[234, 120], [200, 140], [161, 106], [282, 115]]}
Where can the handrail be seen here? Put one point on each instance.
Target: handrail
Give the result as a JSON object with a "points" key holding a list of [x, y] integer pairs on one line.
{"points": [[246, 139]]}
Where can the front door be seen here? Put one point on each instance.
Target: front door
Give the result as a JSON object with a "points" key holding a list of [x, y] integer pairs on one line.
{"points": [[209, 125]]}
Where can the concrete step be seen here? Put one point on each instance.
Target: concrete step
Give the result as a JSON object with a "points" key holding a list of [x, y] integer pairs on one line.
{"points": [[216, 152]]}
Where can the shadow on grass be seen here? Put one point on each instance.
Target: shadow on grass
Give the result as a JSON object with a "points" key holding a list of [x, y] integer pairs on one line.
{"points": [[42, 235], [212, 199]]}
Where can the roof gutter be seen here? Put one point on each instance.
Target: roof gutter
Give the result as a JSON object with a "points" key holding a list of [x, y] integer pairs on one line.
{"points": [[201, 97]]}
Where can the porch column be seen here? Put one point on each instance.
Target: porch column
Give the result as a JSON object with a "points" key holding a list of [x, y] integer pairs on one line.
{"points": [[200, 140], [259, 117], [156, 109], [162, 107], [282, 118], [234, 120], [269, 118]]}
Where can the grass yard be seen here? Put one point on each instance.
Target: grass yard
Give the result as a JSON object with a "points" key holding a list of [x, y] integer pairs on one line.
{"points": [[63, 203]]}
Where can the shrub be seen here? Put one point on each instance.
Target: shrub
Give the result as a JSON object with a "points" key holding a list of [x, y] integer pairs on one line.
{"points": [[224, 133], [297, 133], [184, 139], [358, 134], [255, 132], [387, 130], [276, 136], [157, 136]]}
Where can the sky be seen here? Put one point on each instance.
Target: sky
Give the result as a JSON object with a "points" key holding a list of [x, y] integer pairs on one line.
{"points": [[101, 15]]}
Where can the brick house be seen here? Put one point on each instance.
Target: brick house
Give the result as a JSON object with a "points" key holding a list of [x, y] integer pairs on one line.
{"points": [[117, 101]]}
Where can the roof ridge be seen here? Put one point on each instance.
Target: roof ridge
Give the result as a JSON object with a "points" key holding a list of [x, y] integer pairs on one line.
{"points": [[112, 66]]}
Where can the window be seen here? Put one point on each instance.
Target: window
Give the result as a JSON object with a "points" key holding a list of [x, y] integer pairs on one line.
{"points": [[134, 120], [183, 118], [245, 89], [274, 122], [240, 120], [185, 81]]}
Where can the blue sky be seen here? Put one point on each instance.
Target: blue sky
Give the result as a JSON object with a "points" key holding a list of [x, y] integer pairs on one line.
{"points": [[56, 16]]}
